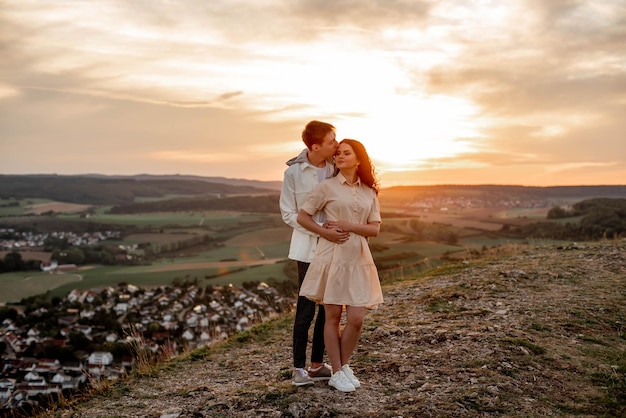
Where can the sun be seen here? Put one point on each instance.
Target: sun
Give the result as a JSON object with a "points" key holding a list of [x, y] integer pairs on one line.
{"points": [[402, 127], [405, 132]]}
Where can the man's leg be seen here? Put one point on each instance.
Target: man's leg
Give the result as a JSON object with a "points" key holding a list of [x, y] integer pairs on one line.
{"points": [[317, 349], [305, 311]]}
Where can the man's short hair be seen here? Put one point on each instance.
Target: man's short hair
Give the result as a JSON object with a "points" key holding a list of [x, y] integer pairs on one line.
{"points": [[315, 132]]}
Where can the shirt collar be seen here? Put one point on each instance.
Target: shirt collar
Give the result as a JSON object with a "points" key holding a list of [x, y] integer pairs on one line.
{"points": [[342, 180]]}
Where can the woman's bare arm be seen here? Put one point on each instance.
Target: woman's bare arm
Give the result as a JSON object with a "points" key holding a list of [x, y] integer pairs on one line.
{"points": [[367, 230], [334, 234]]}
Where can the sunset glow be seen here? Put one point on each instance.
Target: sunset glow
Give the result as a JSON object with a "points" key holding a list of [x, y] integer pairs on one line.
{"points": [[410, 131], [473, 92]]}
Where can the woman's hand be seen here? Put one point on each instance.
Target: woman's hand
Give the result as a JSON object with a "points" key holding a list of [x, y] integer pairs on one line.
{"points": [[329, 232], [335, 235], [341, 225], [367, 230]]}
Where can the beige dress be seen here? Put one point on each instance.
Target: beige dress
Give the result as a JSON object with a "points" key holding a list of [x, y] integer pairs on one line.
{"points": [[343, 274]]}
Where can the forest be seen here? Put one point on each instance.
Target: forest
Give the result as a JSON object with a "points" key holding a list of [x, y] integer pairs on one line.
{"points": [[590, 219]]}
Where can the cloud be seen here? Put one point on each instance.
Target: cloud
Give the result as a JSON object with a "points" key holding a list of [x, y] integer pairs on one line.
{"points": [[195, 156], [501, 84], [53, 131], [549, 90], [8, 91]]}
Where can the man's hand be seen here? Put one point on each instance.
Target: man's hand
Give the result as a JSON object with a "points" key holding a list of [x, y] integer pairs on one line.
{"points": [[335, 234], [340, 225]]}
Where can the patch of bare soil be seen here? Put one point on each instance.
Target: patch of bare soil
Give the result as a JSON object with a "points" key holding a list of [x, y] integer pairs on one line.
{"points": [[40, 208], [537, 333]]}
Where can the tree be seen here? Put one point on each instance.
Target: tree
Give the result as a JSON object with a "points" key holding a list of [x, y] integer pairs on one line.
{"points": [[74, 255], [558, 212], [13, 261], [79, 342], [9, 313], [451, 238], [54, 243]]}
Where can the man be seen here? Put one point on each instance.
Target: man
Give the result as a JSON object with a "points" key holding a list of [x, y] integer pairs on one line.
{"points": [[305, 171]]}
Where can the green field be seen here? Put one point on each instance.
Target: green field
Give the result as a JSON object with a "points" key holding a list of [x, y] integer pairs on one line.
{"points": [[249, 241], [254, 247], [21, 208], [255, 274], [538, 214], [262, 245], [101, 276], [184, 219], [487, 241], [15, 286]]}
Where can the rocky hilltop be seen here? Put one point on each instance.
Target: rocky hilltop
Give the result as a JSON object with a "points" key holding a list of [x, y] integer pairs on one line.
{"points": [[534, 331]]}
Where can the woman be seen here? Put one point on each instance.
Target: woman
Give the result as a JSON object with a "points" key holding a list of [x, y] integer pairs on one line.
{"points": [[343, 273]]}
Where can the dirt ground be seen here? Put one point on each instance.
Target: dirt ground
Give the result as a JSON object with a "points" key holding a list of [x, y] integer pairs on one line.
{"points": [[531, 334]]}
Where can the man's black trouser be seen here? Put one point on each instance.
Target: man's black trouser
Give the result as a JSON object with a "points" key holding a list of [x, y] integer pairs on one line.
{"points": [[305, 311]]}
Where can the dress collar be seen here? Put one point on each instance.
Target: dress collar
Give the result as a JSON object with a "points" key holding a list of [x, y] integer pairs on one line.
{"points": [[343, 180]]}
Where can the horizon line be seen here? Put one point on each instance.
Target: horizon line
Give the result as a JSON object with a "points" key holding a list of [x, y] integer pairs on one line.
{"points": [[400, 184]]}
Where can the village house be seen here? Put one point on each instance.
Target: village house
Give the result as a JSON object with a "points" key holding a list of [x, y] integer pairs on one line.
{"points": [[221, 312], [7, 386]]}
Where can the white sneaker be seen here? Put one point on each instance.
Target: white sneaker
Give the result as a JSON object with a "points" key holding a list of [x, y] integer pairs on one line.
{"points": [[351, 377], [340, 382]]}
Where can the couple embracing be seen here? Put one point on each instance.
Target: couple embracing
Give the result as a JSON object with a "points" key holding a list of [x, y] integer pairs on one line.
{"points": [[329, 197]]}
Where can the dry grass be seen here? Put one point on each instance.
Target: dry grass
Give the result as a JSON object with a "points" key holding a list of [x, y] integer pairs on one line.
{"points": [[535, 332], [147, 362]]}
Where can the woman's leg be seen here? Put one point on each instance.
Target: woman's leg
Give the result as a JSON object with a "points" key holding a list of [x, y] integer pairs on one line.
{"points": [[351, 332], [332, 338]]}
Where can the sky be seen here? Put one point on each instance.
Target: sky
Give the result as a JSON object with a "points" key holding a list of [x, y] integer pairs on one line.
{"points": [[517, 92]]}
